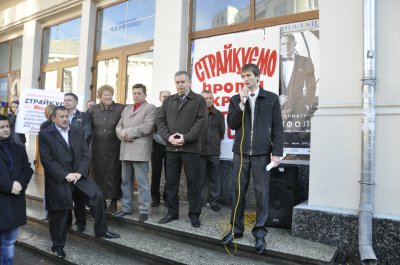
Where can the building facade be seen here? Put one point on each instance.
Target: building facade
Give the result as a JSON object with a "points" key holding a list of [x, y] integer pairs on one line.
{"points": [[79, 45]]}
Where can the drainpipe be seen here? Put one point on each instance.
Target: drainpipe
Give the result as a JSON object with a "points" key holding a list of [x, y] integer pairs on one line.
{"points": [[365, 213]]}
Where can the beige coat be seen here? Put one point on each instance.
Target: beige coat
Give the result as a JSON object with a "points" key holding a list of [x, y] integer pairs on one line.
{"points": [[140, 125]]}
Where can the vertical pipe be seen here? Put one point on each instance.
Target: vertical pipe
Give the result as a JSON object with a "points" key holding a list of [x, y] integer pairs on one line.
{"points": [[365, 215]]}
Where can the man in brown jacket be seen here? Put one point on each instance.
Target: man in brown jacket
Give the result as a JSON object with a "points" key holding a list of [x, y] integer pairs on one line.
{"points": [[180, 124], [135, 130]]}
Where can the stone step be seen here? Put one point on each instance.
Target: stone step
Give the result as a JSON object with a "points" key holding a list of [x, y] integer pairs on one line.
{"points": [[282, 248]]}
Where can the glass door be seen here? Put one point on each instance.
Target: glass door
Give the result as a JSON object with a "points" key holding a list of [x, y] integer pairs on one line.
{"points": [[107, 74]]}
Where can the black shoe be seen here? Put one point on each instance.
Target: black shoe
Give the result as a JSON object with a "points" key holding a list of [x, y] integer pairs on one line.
{"points": [[194, 220], [215, 208], [80, 228], [121, 214], [260, 244], [155, 203], [59, 253], [112, 208], [167, 219], [228, 238], [110, 235], [143, 217]]}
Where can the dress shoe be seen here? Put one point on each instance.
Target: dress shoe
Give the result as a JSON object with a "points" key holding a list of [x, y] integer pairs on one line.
{"points": [[80, 228], [229, 237], [59, 253], [260, 244], [110, 235], [143, 217], [167, 219], [155, 203], [194, 220], [215, 208], [121, 214], [112, 208]]}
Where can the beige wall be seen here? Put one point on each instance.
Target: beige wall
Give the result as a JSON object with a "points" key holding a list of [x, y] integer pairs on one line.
{"points": [[336, 128]]}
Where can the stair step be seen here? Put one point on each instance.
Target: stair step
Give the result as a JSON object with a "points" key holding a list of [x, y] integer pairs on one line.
{"points": [[282, 248]]}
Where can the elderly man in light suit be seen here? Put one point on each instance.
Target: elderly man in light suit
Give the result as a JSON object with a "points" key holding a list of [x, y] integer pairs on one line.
{"points": [[135, 130]]}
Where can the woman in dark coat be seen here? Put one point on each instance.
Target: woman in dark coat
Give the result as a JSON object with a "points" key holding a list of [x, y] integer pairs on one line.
{"points": [[106, 167], [14, 178], [18, 138]]}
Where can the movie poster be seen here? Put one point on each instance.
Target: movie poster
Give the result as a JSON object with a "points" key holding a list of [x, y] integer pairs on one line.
{"points": [[14, 87], [298, 84], [216, 65]]}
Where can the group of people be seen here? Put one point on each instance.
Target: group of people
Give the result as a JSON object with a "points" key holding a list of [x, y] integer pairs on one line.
{"points": [[93, 156]]}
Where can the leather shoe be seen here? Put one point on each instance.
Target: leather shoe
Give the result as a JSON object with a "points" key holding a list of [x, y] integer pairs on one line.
{"points": [[215, 208], [59, 253], [195, 221], [80, 228], [143, 217], [167, 219], [121, 214], [155, 203], [260, 244], [110, 235], [228, 238]]}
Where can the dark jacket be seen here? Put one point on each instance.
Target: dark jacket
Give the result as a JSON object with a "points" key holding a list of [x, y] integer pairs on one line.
{"points": [[213, 133], [82, 120], [13, 207], [188, 121], [54, 154], [106, 149], [268, 129]]}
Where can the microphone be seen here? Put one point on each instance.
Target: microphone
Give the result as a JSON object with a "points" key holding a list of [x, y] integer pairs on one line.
{"points": [[245, 97]]}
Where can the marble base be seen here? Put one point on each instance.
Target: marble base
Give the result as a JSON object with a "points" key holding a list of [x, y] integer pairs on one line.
{"points": [[339, 228]]}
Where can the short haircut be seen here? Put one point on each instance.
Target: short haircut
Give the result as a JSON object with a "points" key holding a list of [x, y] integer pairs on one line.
{"points": [[290, 37], [143, 87], [58, 108], [15, 101], [3, 118], [250, 67], [206, 92], [182, 73], [72, 95], [105, 88], [164, 91]]}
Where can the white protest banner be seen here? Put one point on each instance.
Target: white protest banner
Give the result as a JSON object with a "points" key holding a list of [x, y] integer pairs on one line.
{"points": [[216, 65], [31, 108]]}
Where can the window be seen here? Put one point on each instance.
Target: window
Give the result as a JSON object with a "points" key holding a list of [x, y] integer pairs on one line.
{"points": [[276, 8], [125, 23], [61, 42]]}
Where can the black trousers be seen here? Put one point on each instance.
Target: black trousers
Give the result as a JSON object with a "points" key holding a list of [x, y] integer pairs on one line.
{"points": [[157, 162], [191, 166], [253, 166], [211, 189], [58, 220]]}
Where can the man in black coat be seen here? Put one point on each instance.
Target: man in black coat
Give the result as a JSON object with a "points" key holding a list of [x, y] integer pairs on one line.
{"points": [[180, 123], [64, 155], [14, 178], [255, 115]]}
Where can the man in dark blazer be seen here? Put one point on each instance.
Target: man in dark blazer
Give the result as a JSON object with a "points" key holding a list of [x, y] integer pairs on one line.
{"points": [[14, 178], [64, 155], [180, 123], [255, 115]]}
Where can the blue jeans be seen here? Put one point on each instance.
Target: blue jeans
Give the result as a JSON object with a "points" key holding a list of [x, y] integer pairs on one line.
{"points": [[7, 240]]}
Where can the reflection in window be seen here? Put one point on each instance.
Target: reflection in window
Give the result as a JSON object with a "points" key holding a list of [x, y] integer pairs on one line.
{"points": [[139, 70], [70, 79], [16, 55], [49, 80], [212, 14], [275, 8], [3, 91], [107, 74], [61, 41], [125, 23], [5, 57]]}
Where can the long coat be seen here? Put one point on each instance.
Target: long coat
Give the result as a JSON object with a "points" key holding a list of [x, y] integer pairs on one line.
{"points": [[105, 149], [139, 125], [53, 151], [13, 207]]}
